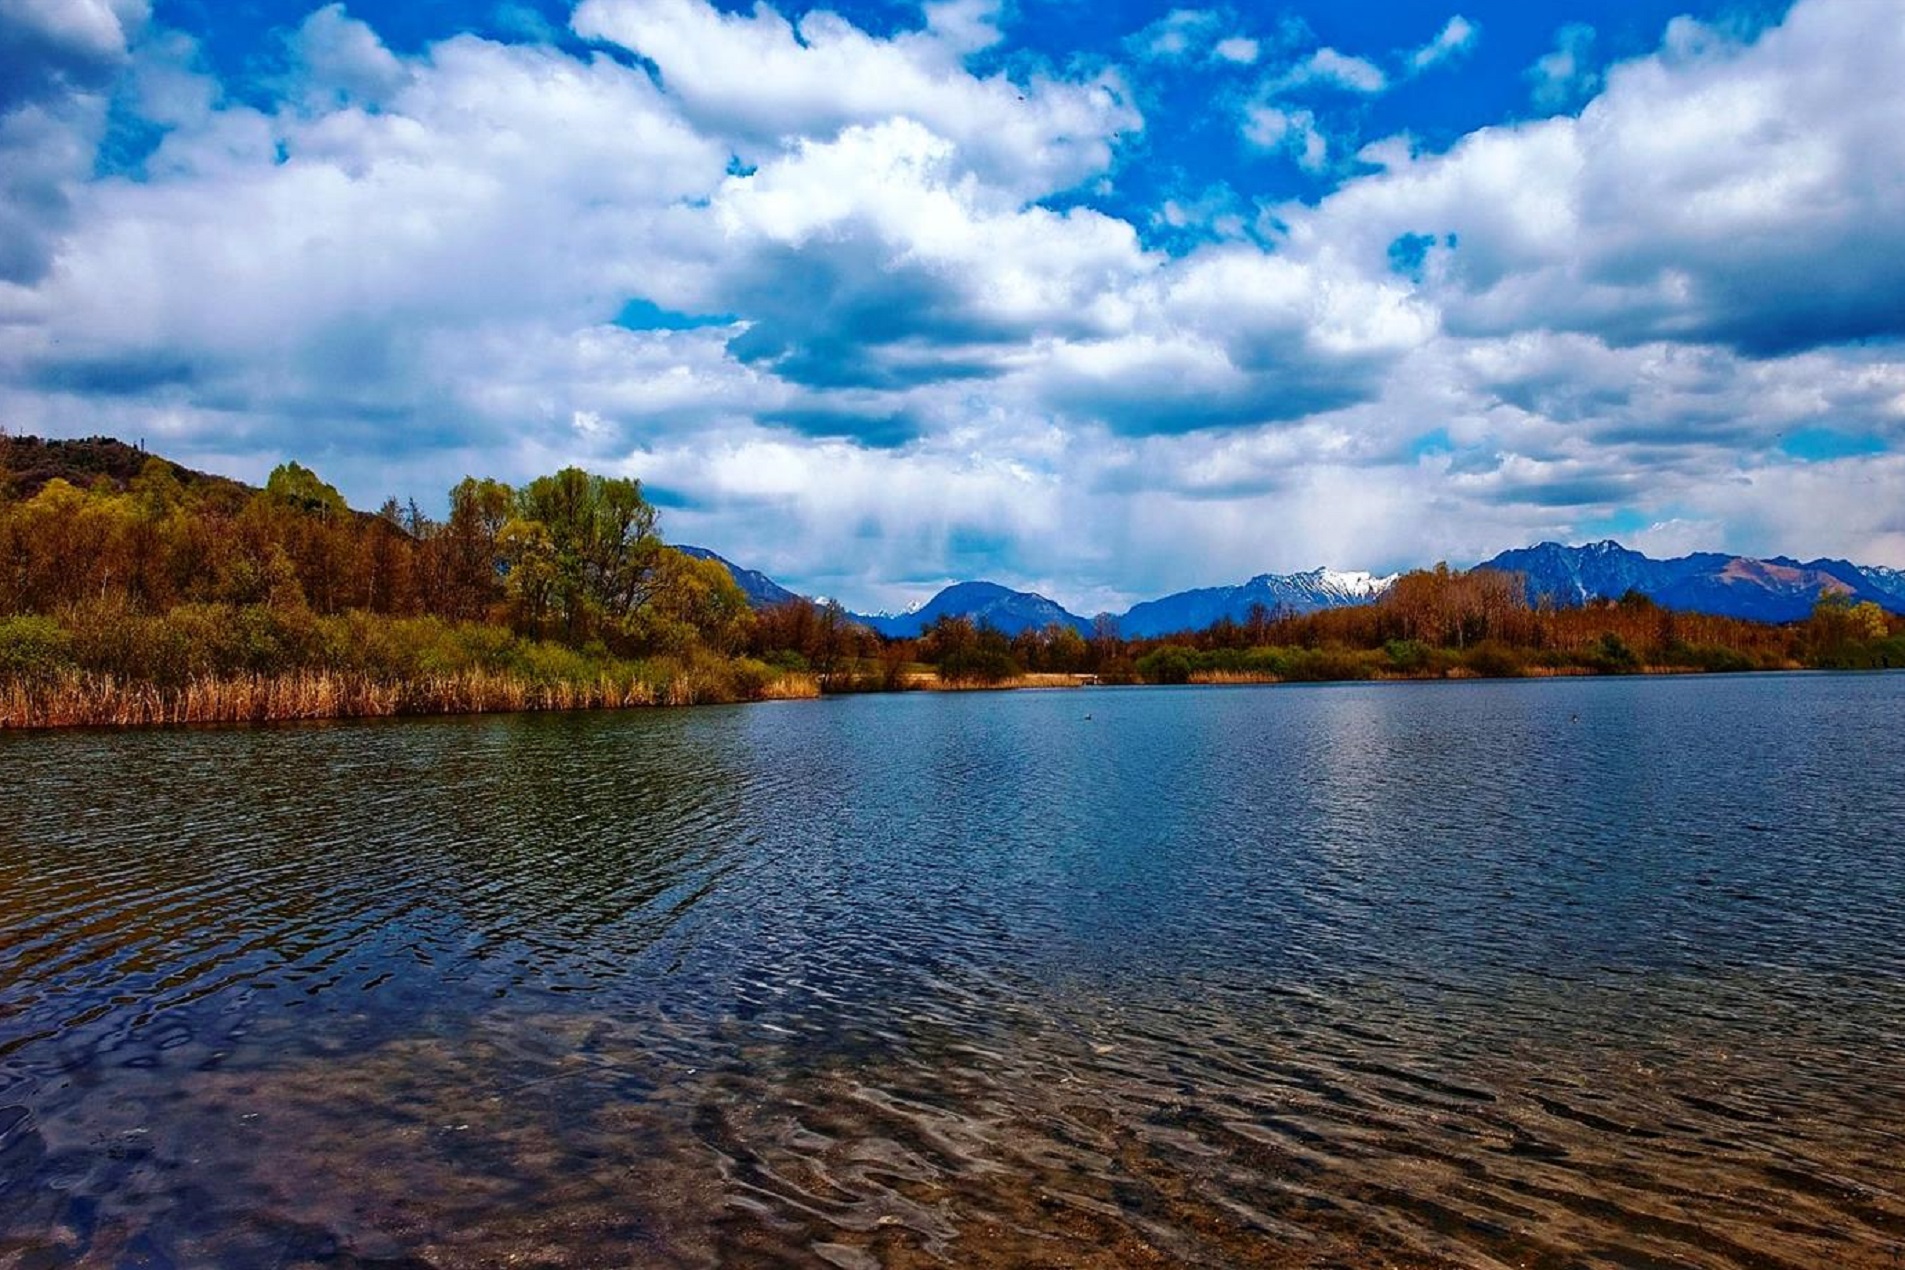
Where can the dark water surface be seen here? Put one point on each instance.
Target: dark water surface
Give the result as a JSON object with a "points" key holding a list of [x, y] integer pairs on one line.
{"points": [[1604, 973]]}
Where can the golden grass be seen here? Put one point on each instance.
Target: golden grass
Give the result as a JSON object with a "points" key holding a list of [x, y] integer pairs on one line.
{"points": [[92, 700], [931, 682], [1234, 677], [793, 686]]}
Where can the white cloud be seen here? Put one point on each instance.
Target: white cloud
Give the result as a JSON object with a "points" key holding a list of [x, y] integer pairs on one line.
{"points": [[84, 30], [343, 60], [1457, 36], [1329, 68], [1237, 48], [1742, 194], [57, 62], [898, 364], [1565, 76], [1293, 131], [1177, 36], [759, 81]]}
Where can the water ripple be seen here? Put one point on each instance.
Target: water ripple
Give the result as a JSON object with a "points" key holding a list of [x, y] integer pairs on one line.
{"points": [[1467, 975]]}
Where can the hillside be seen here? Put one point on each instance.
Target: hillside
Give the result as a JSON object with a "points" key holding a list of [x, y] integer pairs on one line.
{"points": [[28, 463]]}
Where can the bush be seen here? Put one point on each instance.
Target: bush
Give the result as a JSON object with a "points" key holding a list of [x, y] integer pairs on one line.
{"points": [[1493, 661], [977, 666], [1610, 655], [34, 648], [1170, 664], [1409, 656]]}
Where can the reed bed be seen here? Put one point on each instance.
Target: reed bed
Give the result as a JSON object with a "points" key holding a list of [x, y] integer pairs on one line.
{"points": [[84, 699], [793, 686], [1234, 677]]}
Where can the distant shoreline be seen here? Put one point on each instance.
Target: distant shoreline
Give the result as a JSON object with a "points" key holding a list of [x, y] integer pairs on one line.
{"points": [[101, 702]]}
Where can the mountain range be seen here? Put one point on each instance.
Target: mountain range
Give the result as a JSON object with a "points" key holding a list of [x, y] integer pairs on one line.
{"points": [[1779, 589]]}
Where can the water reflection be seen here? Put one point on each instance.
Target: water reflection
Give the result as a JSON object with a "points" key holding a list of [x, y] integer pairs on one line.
{"points": [[1469, 974]]}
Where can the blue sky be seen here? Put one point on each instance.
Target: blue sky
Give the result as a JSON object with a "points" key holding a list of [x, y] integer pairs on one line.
{"points": [[1102, 300]]}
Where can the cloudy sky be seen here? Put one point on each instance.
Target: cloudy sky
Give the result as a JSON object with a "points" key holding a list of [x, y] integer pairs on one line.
{"points": [[1099, 299]]}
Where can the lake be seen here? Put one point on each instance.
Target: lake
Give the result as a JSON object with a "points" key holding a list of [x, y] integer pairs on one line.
{"points": [[1547, 973]]}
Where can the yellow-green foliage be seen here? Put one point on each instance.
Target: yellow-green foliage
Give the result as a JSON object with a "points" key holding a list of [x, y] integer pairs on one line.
{"points": [[161, 603]]}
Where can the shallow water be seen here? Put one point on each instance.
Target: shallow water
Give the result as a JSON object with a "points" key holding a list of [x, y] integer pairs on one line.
{"points": [[1605, 973]]}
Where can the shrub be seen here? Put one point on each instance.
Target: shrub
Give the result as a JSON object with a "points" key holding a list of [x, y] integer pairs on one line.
{"points": [[1407, 655], [1493, 660], [34, 648], [977, 666], [1170, 664], [1611, 655]]}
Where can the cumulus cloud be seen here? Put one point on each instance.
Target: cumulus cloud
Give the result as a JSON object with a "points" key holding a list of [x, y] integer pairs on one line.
{"points": [[1177, 36], [51, 48], [58, 59], [1275, 119], [860, 314], [343, 61], [920, 272], [1292, 130], [1732, 193], [760, 81]]}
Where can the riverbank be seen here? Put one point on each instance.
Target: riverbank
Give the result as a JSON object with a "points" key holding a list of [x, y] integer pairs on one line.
{"points": [[86, 700], [93, 701]]}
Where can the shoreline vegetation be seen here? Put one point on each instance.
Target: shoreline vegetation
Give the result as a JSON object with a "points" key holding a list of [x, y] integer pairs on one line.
{"points": [[134, 591]]}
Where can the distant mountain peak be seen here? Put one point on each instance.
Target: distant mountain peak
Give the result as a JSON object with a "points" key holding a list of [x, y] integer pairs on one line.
{"points": [[761, 591], [982, 602], [1318, 588], [1778, 589]]}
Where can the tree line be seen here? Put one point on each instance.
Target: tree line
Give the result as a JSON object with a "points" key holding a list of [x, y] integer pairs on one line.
{"points": [[1432, 623], [157, 593], [559, 591]]}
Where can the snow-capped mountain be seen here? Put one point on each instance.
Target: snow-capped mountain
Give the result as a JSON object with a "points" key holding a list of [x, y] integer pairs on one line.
{"points": [[1780, 589], [1887, 581], [1276, 592]]}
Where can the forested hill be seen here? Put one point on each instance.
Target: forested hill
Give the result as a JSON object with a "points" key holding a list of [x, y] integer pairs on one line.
{"points": [[30, 462]]}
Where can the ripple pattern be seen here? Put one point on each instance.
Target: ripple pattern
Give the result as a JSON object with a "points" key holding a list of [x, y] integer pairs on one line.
{"points": [[1546, 974]]}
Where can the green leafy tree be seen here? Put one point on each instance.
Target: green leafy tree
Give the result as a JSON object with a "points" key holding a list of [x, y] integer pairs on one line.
{"points": [[701, 596], [298, 487], [602, 539]]}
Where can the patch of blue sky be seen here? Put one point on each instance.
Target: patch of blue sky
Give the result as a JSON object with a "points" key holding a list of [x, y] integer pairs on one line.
{"points": [[1618, 524], [1430, 443], [645, 315], [1819, 445]]}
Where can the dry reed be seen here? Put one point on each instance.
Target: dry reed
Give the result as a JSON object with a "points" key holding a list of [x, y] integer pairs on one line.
{"points": [[95, 700]]}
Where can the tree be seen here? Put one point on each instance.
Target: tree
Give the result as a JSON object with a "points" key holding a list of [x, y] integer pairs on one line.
{"points": [[298, 487], [703, 598], [1256, 625], [602, 539], [463, 558], [835, 640], [1105, 641], [1866, 622]]}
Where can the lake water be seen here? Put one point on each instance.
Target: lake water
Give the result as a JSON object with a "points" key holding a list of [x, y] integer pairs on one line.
{"points": [[1561, 973]]}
